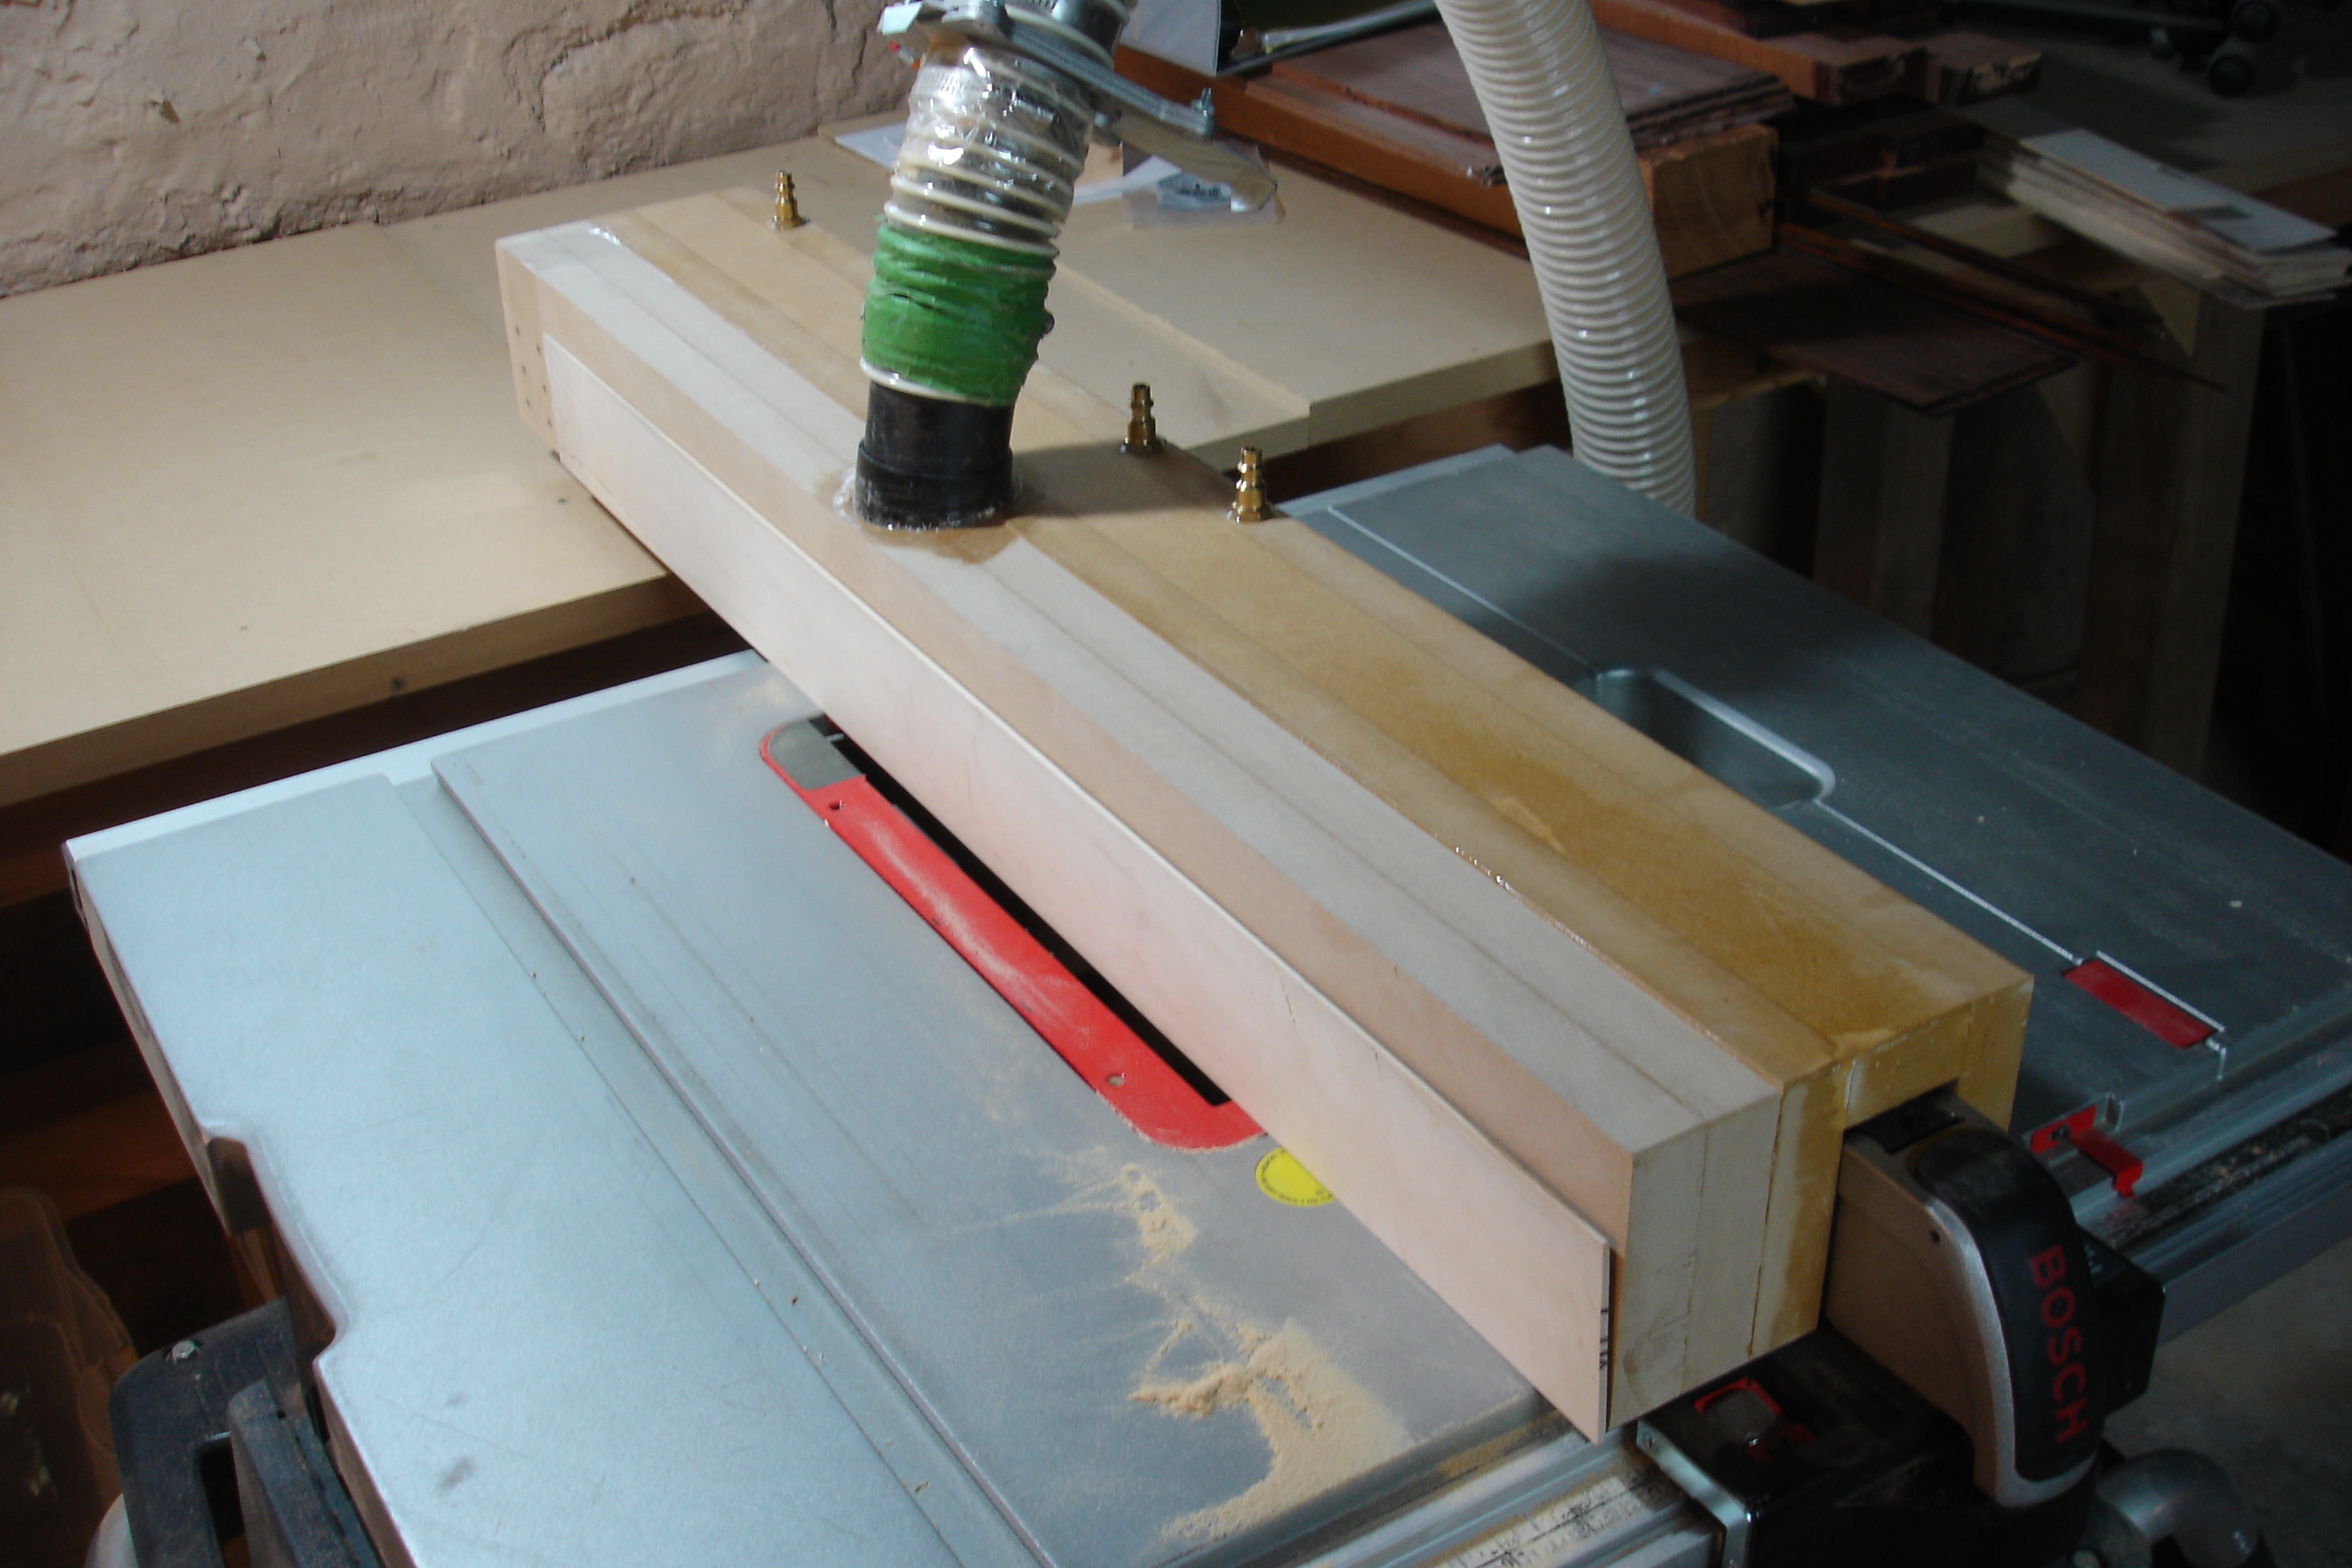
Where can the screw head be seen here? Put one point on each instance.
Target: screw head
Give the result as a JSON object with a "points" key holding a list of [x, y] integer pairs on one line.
{"points": [[186, 1350]]}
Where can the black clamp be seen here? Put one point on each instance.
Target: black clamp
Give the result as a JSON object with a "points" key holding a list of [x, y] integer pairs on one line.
{"points": [[1950, 1410], [214, 1440], [1955, 1264]]}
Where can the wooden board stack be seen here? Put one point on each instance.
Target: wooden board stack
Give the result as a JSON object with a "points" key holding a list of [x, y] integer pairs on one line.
{"points": [[1573, 1028], [1881, 159], [1842, 67], [1706, 161], [1775, 18], [1835, 53], [1667, 93], [1399, 112], [2217, 239]]}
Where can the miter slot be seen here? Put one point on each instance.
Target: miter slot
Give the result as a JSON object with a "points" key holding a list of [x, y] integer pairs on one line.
{"points": [[1716, 739]]}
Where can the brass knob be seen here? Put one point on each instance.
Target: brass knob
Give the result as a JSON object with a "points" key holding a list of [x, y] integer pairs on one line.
{"points": [[1249, 489], [788, 206], [1142, 430]]}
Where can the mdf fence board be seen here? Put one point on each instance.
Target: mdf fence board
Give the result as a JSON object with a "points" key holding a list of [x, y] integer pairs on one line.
{"points": [[1643, 995], [1150, 596], [256, 488]]}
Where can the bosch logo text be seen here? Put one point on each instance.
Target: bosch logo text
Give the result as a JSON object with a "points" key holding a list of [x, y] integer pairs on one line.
{"points": [[2070, 1374]]}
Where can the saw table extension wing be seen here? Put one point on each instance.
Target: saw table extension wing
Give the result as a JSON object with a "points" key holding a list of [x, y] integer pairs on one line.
{"points": [[1572, 1027]]}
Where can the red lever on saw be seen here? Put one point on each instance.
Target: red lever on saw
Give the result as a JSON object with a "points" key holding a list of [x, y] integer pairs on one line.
{"points": [[2081, 1130]]}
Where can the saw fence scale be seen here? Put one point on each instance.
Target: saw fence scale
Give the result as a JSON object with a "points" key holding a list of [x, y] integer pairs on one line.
{"points": [[1439, 924]]}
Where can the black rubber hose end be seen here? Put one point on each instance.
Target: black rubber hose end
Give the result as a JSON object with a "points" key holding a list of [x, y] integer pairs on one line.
{"points": [[931, 462]]}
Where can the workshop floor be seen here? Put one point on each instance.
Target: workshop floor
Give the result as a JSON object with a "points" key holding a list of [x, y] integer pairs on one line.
{"points": [[2265, 1391]]}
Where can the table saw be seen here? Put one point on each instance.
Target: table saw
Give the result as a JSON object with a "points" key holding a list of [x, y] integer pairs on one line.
{"points": [[674, 1190]]}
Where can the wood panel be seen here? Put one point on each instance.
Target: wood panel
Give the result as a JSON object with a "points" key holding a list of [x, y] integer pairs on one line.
{"points": [[246, 489], [1528, 991], [1880, 540], [1843, 67], [1717, 187], [2171, 466], [1812, 314], [1711, 197], [1665, 92]]}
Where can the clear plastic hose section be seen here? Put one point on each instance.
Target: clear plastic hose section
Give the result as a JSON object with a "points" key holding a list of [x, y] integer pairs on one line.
{"points": [[993, 148], [1554, 112]]}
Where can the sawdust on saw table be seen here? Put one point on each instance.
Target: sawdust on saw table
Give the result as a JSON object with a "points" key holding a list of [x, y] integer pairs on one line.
{"points": [[1159, 1226], [1320, 1425]]}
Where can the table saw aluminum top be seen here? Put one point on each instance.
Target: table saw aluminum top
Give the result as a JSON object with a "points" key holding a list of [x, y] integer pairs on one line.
{"points": [[678, 1196], [2042, 838], [529, 1027]]}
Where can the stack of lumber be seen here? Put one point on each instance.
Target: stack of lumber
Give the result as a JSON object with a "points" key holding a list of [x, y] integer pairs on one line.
{"points": [[1398, 112], [1882, 154], [1776, 18], [1574, 1028], [2221, 241], [1825, 314], [1833, 52], [1994, 290], [1667, 93]]}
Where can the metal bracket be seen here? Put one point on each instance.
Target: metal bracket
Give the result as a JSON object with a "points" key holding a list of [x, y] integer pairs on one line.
{"points": [[1702, 1489], [1183, 134]]}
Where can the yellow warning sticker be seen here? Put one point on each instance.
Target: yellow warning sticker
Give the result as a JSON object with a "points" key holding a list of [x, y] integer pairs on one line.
{"points": [[1281, 1177]]}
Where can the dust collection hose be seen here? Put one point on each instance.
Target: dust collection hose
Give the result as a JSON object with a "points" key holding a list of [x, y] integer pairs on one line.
{"points": [[1556, 119], [984, 183], [993, 148]]}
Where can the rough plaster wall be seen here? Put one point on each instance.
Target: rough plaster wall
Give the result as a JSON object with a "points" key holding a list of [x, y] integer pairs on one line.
{"points": [[132, 131]]}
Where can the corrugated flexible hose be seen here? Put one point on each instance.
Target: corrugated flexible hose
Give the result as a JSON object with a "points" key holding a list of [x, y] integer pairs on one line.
{"points": [[1554, 112]]}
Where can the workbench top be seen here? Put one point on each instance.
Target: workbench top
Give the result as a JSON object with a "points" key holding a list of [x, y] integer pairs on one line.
{"points": [[247, 489]]}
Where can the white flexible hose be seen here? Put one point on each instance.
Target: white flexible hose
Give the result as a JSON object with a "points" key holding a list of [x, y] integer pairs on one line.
{"points": [[1554, 112]]}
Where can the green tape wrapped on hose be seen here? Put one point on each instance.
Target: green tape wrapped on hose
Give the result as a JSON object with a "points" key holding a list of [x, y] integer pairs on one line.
{"points": [[953, 316]]}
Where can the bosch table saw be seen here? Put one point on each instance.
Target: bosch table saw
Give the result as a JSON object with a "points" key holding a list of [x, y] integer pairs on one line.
{"points": [[674, 1190]]}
